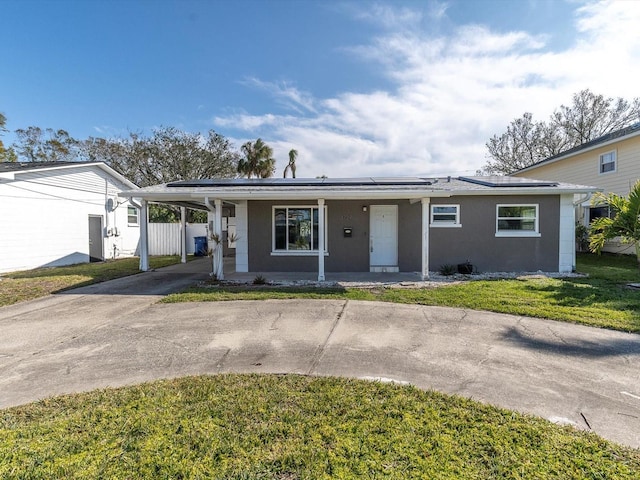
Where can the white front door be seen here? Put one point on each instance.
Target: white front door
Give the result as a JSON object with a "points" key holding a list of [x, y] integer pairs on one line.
{"points": [[383, 239]]}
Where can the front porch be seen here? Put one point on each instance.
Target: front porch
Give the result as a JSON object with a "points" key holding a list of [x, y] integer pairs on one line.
{"points": [[345, 278]]}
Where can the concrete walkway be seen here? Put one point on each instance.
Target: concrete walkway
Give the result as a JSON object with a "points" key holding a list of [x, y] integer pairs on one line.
{"points": [[116, 334]]}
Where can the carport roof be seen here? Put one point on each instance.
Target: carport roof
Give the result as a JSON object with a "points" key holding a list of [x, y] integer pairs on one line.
{"points": [[200, 193]]}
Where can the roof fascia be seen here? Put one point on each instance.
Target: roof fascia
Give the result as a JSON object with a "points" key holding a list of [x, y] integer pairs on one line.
{"points": [[578, 152], [103, 166], [347, 195]]}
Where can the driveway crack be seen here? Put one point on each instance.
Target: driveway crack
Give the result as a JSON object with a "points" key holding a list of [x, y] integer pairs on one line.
{"points": [[320, 351]]}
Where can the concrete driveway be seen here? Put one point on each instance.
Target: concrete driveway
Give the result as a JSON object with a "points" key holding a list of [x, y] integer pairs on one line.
{"points": [[116, 334]]}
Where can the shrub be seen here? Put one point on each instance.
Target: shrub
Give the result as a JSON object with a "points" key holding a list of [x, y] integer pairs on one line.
{"points": [[448, 269]]}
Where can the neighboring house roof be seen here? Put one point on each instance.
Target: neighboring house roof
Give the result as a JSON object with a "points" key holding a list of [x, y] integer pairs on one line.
{"points": [[604, 140], [9, 170], [196, 193]]}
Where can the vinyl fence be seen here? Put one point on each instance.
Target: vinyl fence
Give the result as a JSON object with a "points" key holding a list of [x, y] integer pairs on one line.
{"points": [[164, 238]]}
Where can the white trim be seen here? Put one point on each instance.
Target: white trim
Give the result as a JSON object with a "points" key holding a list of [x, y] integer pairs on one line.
{"points": [[242, 232], [137, 222], [518, 233], [311, 195], [424, 274], [297, 253], [321, 237], [183, 235], [442, 223], [144, 236], [314, 251], [103, 166], [578, 152], [567, 235], [615, 162], [217, 229], [388, 267]]}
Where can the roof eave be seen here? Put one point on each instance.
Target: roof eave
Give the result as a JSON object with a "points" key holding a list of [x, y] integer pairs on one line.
{"points": [[347, 194], [577, 152]]}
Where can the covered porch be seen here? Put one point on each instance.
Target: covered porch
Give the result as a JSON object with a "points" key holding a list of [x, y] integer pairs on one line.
{"points": [[324, 255], [312, 277]]}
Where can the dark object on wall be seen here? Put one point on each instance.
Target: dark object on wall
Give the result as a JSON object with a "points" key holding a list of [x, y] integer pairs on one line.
{"points": [[201, 246], [348, 232], [465, 268]]}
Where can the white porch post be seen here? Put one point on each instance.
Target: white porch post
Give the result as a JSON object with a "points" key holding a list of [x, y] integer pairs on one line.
{"points": [[242, 232], [567, 237], [183, 234], [217, 229], [321, 239], [424, 274], [144, 236]]}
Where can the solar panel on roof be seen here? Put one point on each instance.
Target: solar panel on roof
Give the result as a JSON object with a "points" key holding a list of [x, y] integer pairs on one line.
{"points": [[301, 182], [498, 181]]}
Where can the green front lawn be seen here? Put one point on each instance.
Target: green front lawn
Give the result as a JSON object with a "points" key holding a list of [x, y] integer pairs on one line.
{"points": [[27, 285], [601, 300], [293, 427]]}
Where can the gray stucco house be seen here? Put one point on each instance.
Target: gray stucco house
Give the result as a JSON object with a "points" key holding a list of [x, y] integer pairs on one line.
{"points": [[384, 224]]}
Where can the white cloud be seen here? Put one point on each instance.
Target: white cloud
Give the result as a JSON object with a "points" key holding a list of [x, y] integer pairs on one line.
{"points": [[451, 93], [389, 17], [437, 10], [285, 93]]}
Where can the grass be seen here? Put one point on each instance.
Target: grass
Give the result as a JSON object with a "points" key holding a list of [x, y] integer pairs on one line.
{"points": [[27, 285], [601, 300], [293, 427]]}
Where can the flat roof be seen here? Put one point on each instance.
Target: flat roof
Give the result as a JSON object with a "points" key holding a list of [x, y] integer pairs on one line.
{"points": [[305, 182], [201, 193]]}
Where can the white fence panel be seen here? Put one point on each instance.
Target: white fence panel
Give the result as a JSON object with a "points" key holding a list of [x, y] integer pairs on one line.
{"points": [[164, 238]]}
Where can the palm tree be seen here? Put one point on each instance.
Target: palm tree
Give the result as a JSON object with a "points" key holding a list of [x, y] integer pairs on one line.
{"points": [[625, 222], [258, 160], [293, 154]]}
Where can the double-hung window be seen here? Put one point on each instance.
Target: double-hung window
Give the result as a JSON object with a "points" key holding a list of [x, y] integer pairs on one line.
{"points": [[608, 162], [132, 216], [517, 221], [296, 230], [445, 216]]}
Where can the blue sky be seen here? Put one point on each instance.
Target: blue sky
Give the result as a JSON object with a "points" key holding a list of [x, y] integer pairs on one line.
{"points": [[358, 88]]}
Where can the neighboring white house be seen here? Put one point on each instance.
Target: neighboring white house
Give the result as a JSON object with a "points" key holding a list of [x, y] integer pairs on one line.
{"points": [[61, 213], [610, 162]]}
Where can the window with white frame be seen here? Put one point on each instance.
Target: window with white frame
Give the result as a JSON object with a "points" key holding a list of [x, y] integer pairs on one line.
{"points": [[132, 216], [608, 162], [517, 220], [295, 229], [445, 216]]}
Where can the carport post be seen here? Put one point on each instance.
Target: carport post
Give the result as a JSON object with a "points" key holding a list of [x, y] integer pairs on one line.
{"points": [[321, 239], [424, 274], [144, 236], [183, 234], [217, 228]]}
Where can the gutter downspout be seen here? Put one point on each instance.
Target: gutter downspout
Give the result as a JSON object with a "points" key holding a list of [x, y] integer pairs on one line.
{"points": [[579, 202]]}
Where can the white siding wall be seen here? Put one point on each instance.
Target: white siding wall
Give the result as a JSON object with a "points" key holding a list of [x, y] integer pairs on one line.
{"points": [[584, 169], [44, 217], [164, 238]]}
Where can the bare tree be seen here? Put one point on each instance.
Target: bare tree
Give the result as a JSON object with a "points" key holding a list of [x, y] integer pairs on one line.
{"points": [[588, 117], [34, 144]]}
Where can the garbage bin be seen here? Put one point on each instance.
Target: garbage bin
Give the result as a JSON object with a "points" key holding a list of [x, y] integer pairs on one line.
{"points": [[201, 246]]}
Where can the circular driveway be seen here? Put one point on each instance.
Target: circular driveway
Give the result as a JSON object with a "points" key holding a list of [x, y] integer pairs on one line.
{"points": [[97, 337]]}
